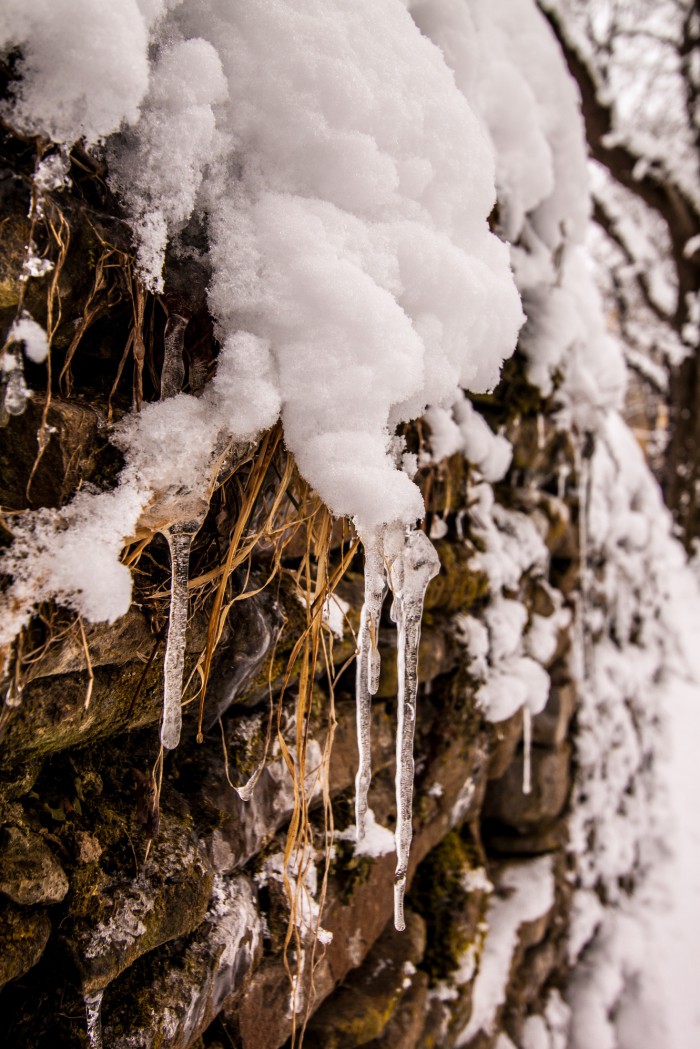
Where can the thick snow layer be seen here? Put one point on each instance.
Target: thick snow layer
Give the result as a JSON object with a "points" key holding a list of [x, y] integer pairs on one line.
{"points": [[345, 180], [84, 65], [346, 239]]}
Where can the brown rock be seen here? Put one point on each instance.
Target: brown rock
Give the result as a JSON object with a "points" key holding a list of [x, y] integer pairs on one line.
{"points": [[23, 935], [551, 726], [506, 737], [167, 999], [545, 838], [435, 656], [29, 871], [406, 1026], [361, 1009], [113, 922], [551, 781]]}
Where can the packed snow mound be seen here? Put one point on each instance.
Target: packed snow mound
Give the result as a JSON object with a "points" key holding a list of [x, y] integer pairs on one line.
{"points": [[345, 181]]}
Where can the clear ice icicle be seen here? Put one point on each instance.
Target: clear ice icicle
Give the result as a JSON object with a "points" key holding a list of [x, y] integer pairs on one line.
{"points": [[368, 668], [527, 750], [93, 1010], [410, 576], [172, 376], [179, 538]]}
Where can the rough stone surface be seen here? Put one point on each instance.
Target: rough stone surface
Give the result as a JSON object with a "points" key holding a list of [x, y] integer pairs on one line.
{"points": [[361, 1010], [121, 919], [29, 871], [551, 781], [24, 934]]}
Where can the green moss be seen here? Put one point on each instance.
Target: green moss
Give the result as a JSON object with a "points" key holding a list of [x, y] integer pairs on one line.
{"points": [[459, 584], [451, 912], [515, 395]]}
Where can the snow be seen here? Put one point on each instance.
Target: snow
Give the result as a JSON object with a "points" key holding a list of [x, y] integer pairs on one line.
{"points": [[355, 281], [344, 159], [527, 894], [635, 983], [32, 335], [376, 840], [84, 66]]}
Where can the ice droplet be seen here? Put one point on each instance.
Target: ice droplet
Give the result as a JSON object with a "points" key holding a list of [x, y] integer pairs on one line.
{"points": [[179, 538]]}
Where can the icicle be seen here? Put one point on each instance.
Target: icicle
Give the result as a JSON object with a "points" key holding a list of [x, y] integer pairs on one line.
{"points": [[172, 376], [179, 538], [368, 668], [527, 750], [15, 394], [410, 574], [582, 464], [93, 1009]]}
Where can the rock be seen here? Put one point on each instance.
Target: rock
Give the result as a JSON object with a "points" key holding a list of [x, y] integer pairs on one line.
{"points": [[435, 656], [52, 715], [551, 726], [361, 1009], [167, 999], [506, 737], [551, 781], [24, 935], [250, 632], [29, 871], [565, 544], [109, 645], [359, 902], [71, 456], [243, 826], [450, 891], [113, 921], [461, 580], [548, 837], [406, 1026], [541, 602]]}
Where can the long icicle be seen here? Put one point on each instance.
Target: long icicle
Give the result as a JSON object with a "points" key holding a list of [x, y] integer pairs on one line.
{"points": [[527, 750], [409, 579], [179, 538], [368, 668]]}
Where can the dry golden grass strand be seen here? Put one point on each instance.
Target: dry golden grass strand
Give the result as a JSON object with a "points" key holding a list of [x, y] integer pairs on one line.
{"points": [[88, 664]]}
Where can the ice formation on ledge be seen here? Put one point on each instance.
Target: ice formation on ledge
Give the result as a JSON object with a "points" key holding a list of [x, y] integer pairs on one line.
{"points": [[405, 564]]}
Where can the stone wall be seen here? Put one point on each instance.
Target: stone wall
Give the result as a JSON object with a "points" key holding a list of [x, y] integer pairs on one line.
{"points": [[146, 883]]}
